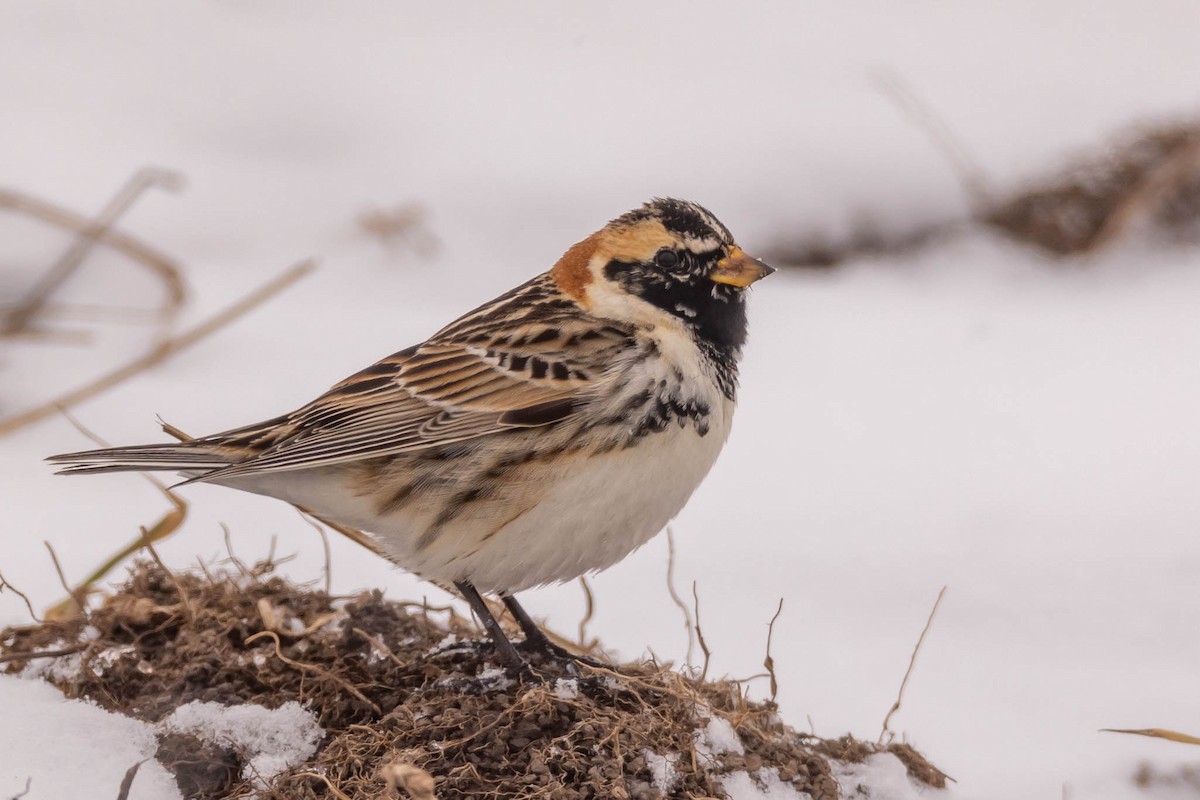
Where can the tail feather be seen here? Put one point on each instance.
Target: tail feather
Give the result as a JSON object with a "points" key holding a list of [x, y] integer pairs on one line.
{"points": [[147, 457]]}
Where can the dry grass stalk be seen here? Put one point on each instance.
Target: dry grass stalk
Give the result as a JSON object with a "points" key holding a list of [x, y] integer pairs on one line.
{"points": [[76, 601], [18, 319], [140, 253], [589, 609], [127, 781], [769, 662], [1157, 733], [912, 661], [675, 598], [338, 793], [23, 792], [327, 570], [161, 352], [4, 584], [700, 634]]}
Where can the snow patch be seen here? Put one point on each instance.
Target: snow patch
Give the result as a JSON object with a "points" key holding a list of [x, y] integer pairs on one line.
{"points": [[764, 784], [70, 748], [663, 775], [880, 776], [717, 737], [271, 740]]}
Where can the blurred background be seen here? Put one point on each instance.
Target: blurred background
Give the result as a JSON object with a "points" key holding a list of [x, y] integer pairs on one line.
{"points": [[978, 367]]}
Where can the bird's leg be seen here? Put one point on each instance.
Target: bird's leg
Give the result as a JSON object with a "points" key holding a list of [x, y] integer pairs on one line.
{"points": [[536, 639], [504, 648]]}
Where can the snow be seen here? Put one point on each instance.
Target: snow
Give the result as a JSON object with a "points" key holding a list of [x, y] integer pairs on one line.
{"points": [[69, 748], [969, 415], [881, 777], [270, 740], [764, 784], [717, 737], [663, 775], [566, 688]]}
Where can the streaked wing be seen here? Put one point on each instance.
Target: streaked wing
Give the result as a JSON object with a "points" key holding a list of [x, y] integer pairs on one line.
{"points": [[491, 371]]}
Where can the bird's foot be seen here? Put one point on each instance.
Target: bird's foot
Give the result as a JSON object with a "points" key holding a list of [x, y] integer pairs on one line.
{"points": [[545, 651]]}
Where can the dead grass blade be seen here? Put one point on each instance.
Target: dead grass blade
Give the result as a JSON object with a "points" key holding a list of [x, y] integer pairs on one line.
{"points": [[19, 318], [139, 252], [23, 792], [4, 584], [127, 781], [912, 661], [77, 601], [166, 525], [769, 662], [675, 598], [161, 352], [700, 634], [589, 610], [338, 793], [1157, 733]]}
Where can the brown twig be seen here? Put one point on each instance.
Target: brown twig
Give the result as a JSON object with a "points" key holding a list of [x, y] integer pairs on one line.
{"points": [[338, 793], [1157, 733], [700, 634], [237, 562], [589, 609], [675, 598], [66, 651], [379, 647], [23, 792], [19, 318], [78, 597], [148, 543], [159, 353], [139, 252], [911, 663], [127, 781], [349, 687], [324, 546], [4, 584], [769, 662]]}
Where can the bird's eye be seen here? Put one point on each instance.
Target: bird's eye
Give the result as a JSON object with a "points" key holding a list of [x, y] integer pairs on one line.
{"points": [[666, 258]]}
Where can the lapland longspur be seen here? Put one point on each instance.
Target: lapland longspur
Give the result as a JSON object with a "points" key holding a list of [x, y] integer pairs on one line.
{"points": [[545, 434]]}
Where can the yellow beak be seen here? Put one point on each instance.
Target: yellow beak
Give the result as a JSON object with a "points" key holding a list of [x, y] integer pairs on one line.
{"points": [[739, 269]]}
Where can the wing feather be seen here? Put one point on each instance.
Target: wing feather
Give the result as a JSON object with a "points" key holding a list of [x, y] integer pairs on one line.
{"points": [[460, 385]]}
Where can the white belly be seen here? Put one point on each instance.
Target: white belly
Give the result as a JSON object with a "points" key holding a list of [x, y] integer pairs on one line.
{"points": [[603, 509]]}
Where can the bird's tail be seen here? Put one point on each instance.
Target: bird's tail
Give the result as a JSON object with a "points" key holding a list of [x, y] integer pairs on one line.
{"points": [[183, 457]]}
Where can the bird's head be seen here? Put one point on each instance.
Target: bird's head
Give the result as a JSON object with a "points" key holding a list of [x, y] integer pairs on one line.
{"points": [[668, 261]]}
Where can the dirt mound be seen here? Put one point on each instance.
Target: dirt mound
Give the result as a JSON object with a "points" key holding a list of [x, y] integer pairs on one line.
{"points": [[405, 693]]}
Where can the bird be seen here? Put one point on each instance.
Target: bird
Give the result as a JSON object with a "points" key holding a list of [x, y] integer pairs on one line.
{"points": [[544, 435]]}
